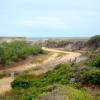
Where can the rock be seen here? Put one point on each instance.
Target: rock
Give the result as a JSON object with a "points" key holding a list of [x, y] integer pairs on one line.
{"points": [[72, 80]]}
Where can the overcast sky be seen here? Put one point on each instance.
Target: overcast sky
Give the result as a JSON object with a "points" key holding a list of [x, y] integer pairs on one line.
{"points": [[48, 18]]}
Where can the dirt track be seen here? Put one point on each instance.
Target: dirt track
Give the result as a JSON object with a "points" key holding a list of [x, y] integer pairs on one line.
{"points": [[5, 84], [47, 65]]}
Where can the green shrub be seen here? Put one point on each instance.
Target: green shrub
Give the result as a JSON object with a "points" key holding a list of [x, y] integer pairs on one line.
{"points": [[14, 51], [36, 50], [95, 62], [21, 84], [91, 76]]}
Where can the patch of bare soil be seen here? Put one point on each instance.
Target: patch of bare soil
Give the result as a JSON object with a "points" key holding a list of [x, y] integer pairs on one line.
{"points": [[5, 84], [29, 60]]}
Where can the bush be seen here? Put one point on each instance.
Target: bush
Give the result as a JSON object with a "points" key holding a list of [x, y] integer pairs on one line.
{"points": [[12, 52], [36, 50], [91, 76], [24, 84], [95, 62]]}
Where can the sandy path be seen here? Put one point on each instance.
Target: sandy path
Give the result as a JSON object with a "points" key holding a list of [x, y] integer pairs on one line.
{"points": [[5, 84], [48, 64], [29, 66], [68, 55]]}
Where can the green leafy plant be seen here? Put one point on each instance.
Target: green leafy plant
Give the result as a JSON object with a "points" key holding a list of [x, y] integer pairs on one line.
{"points": [[91, 76], [95, 62]]}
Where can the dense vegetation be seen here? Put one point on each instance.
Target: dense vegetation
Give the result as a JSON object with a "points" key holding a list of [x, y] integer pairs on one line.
{"points": [[60, 75], [14, 51], [95, 61], [35, 87], [67, 44], [94, 42], [75, 44], [58, 91], [91, 76]]}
